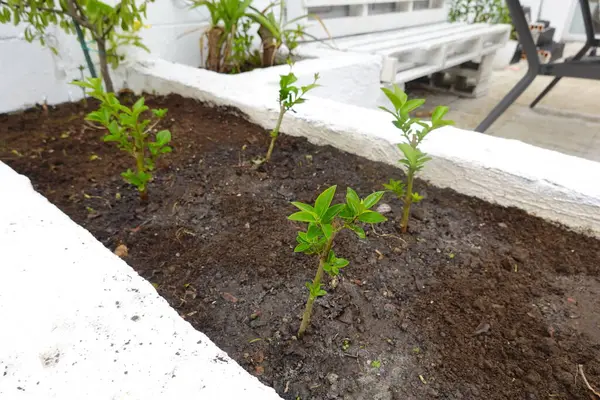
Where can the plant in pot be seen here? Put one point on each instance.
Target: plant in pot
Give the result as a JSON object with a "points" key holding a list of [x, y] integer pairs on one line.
{"points": [[225, 19], [275, 33]]}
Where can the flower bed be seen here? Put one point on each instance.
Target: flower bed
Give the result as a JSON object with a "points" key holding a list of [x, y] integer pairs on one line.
{"points": [[475, 301]]}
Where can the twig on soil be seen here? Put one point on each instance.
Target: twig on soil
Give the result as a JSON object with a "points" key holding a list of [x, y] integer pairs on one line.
{"points": [[263, 295], [387, 235], [350, 355], [183, 231], [137, 228], [88, 123], [580, 368]]}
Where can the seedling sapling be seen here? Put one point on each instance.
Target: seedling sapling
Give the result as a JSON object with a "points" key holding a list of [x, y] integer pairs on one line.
{"points": [[325, 221], [289, 96], [129, 133], [414, 159]]}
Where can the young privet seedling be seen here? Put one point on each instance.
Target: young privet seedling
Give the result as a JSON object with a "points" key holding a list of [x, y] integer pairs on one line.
{"points": [[325, 221], [414, 159], [129, 133], [289, 96]]}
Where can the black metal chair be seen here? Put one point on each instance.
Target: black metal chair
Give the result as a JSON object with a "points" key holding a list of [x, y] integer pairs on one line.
{"points": [[578, 66]]}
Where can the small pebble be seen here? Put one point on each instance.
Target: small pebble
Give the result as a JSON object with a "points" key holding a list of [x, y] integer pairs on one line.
{"points": [[383, 208], [332, 378]]}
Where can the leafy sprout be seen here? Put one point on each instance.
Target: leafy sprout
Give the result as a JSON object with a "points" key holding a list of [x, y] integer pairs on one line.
{"points": [[129, 133], [324, 221], [290, 95], [413, 131]]}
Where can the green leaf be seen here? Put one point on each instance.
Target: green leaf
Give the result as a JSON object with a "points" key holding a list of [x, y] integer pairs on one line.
{"points": [[332, 212], [327, 230], [313, 231], [410, 153], [286, 80], [373, 199], [302, 216], [412, 105], [396, 96], [444, 122], [416, 197], [139, 105], [388, 111], [302, 247], [439, 113], [304, 206], [341, 262], [353, 201], [163, 137], [371, 217], [324, 200], [315, 290], [395, 186], [159, 113], [302, 237], [360, 232]]}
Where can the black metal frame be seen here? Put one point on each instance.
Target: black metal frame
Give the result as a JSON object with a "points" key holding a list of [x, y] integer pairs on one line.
{"points": [[575, 67]]}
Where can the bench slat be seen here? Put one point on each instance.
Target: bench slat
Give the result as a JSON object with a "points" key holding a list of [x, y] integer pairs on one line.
{"points": [[407, 34], [422, 40], [436, 42]]}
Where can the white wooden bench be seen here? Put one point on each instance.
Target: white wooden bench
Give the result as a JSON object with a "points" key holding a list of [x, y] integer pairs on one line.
{"points": [[412, 36]]}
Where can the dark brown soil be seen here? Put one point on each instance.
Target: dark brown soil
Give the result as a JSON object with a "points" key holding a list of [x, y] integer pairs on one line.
{"points": [[476, 302]]}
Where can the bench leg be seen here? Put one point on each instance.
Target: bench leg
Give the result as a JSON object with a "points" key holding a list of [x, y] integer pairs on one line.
{"points": [[507, 101], [545, 91], [551, 85]]}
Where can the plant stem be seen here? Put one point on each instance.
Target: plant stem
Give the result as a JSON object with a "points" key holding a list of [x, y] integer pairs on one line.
{"points": [[316, 282], [275, 133], [104, 65], [215, 36], [139, 163], [407, 200], [228, 48]]}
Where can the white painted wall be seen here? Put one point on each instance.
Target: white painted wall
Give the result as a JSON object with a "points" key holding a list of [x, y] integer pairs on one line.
{"points": [[79, 323]]}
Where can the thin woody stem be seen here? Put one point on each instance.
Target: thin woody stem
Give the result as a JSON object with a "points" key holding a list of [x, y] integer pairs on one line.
{"points": [[316, 282]]}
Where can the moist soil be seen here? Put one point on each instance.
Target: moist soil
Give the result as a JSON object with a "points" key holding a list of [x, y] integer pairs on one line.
{"points": [[476, 301]]}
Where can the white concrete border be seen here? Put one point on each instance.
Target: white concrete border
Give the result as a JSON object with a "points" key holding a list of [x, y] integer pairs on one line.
{"points": [[545, 183], [79, 323]]}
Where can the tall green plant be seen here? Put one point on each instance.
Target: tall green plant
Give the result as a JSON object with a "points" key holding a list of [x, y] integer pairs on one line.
{"points": [[130, 134], [109, 26], [414, 131], [325, 221]]}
